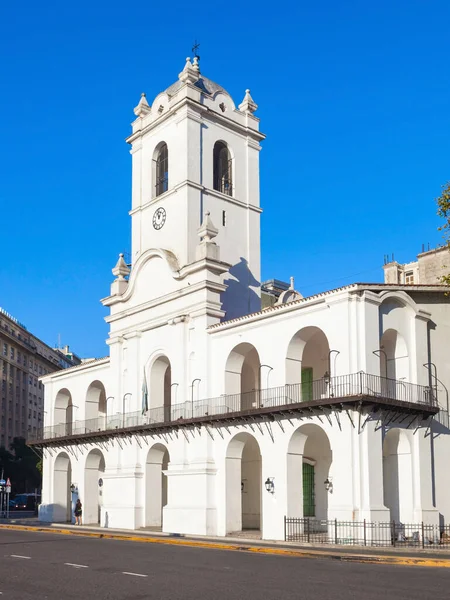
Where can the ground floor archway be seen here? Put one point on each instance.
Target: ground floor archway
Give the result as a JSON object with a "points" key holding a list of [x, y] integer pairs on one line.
{"points": [[62, 497], [308, 467], [243, 484], [156, 488], [93, 471]]}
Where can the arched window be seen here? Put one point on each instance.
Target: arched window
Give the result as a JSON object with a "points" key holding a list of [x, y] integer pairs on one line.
{"points": [[223, 181], [162, 170]]}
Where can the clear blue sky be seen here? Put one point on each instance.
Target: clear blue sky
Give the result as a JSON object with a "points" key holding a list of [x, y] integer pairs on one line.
{"points": [[354, 98]]}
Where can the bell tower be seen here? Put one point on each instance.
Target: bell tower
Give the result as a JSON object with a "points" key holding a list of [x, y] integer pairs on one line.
{"points": [[194, 152]]}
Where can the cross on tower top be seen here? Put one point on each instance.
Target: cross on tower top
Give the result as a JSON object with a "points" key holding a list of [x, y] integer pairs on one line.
{"points": [[195, 47]]}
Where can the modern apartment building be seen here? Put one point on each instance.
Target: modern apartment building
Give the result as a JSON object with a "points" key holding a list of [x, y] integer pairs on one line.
{"points": [[23, 359]]}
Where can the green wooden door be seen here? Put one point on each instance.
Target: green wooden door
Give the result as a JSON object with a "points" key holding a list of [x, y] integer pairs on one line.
{"points": [[307, 384], [309, 503]]}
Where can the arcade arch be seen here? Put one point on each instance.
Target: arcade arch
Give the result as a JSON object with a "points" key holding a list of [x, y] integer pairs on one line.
{"points": [[161, 389], [242, 377], [93, 500], [395, 356], [95, 407], [307, 361], [243, 484], [62, 497], [309, 459], [156, 488], [63, 412]]}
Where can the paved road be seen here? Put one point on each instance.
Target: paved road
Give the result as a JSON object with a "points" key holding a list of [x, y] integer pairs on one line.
{"points": [[42, 566]]}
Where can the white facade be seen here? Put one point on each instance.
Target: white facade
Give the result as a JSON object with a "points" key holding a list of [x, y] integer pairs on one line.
{"points": [[209, 414]]}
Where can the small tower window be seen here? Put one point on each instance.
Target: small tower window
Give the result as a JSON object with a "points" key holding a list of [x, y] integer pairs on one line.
{"points": [[162, 170], [222, 169], [409, 277]]}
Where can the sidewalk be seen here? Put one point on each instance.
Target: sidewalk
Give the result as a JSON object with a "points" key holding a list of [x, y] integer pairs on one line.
{"points": [[393, 556]]}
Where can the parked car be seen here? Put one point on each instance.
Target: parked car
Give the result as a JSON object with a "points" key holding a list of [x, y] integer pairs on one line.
{"points": [[25, 502]]}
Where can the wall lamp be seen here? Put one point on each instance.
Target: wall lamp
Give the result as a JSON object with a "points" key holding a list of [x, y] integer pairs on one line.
{"points": [[270, 485], [328, 483]]}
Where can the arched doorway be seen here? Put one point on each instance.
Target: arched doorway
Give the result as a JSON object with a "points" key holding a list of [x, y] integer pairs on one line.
{"points": [[243, 484], [63, 413], [307, 363], [62, 497], [95, 408], [156, 488], [93, 500], [242, 378], [160, 389], [309, 460], [397, 475]]}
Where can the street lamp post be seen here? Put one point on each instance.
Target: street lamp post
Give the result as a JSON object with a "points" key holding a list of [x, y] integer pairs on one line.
{"points": [[377, 353], [171, 385], [106, 409], [268, 373], [192, 394], [72, 416], [260, 402], [428, 366], [123, 407]]}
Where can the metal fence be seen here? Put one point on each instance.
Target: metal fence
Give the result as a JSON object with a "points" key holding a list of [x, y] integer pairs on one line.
{"points": [[366, 533], [341, 386]]}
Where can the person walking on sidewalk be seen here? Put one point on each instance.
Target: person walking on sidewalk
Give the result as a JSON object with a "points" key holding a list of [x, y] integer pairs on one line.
{"points": [[78, 512]]}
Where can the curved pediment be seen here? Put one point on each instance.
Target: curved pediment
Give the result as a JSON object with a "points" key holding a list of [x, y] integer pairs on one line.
{"points": [[155, 269]]}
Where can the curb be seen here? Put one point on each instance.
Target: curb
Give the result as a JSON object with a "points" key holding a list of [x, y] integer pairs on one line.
{"points": [[354, 558]]}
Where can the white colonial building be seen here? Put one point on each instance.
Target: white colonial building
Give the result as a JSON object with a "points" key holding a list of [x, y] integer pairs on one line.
{"points": [[212, 416]]}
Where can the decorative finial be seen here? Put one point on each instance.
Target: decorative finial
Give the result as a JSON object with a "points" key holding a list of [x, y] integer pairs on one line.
{"points": [[189, 74], [207, 230], [289, 295], [121, 270], [143, 107], [207, 248], [248, 105], [196, 65]]}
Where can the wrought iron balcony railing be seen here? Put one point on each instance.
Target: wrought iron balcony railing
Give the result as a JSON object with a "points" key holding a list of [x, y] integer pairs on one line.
{"points": [[321, 390]]}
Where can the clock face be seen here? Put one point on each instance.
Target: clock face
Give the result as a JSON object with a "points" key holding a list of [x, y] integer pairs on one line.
{"points": [[159, 218]]}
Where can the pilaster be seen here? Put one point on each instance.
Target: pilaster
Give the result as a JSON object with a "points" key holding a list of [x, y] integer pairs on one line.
{"points": [[370, 475]]}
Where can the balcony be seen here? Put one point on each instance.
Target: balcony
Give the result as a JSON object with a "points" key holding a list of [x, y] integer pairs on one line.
{"points": [[369, 394]]}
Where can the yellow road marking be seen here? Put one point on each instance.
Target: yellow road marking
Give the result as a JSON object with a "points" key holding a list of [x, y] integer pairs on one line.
{"points": [[361, 558]]}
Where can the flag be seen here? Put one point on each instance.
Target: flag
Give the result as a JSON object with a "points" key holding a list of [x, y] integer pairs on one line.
{"points": [[144, 395]]}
